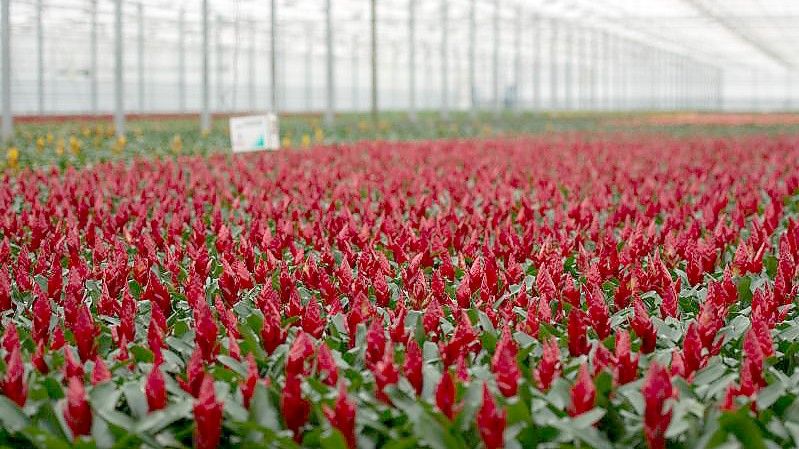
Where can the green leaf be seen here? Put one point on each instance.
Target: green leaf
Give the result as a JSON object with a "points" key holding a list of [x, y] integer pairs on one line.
{"points": [[743, 427], [333, 439], [262, 411], [588, 418], [160, 419], [11, 416]]}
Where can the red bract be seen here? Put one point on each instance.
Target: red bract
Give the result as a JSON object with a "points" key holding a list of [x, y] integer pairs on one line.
{"points": [[294, 407], [155, 389], [100, 372], [13, 383], [385, 373], [248, 384], [326, 365], [578, 340], [656, 390], [583, 393], [504, 365], [85, 332], [207, 417], [445, 395], [342, 416], [549, 367], [77, 412], [626, 363], [643, 327], [412, 367], [301, 351], [598, 312], [491, 421], [206, 331]]}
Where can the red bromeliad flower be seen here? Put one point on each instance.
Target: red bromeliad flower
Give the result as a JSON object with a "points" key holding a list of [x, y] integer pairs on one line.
{"points": [[412, 366], [207, 417], [385, 373], [342, 416], [13, 384], [445, 395], [100, 372], [491, 421], [77, 412], [583, 393], [155, 389], [626, 363], [578, 340], [656, 390], [549, 366], [294, 407], [643, 327], [504, 365], [326, 365], [248, 385]]}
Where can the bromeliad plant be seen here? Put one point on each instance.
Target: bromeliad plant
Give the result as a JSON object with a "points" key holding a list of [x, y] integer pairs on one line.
{"points": [[542, 292]]}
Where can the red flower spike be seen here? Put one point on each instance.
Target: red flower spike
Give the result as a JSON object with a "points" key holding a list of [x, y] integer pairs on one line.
{"points": [[77, 412], [642, 325], [85, 333], [155, 389], [656, 390], [583, 393], [195, 374], [549, 367], [385, 373], [312, 321], [206, 331], [207, 417], [272, 334], [504, 365], [294, 407], [412, 366], [375, 343], [445, 395], [41, 319], [248, 384], [342, 416], [626, 364], [578, 340], [100, 372], [72, 368], [301, 350], [10, 339], [598, 312], [13, 383], [326, 365], [491, 422]]}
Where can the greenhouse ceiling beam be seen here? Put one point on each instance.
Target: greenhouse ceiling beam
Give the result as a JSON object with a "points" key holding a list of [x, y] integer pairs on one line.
{"points": [[740, 33], [589, 14]]}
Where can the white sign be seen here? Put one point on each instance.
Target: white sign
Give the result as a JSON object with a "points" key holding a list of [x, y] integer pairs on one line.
{"points": [[254, 132]]}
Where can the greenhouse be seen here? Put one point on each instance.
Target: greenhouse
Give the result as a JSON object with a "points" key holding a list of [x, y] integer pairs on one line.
{"points": [[399, 224]]}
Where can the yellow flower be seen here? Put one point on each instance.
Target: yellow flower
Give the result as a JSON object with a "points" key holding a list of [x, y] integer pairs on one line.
{"points": [[74, 145], [59, 147], [120, 143], [49, 138], [319, 135], [12, 157], [306, 141], [286, 142], [40, 142], [177, 144]]}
